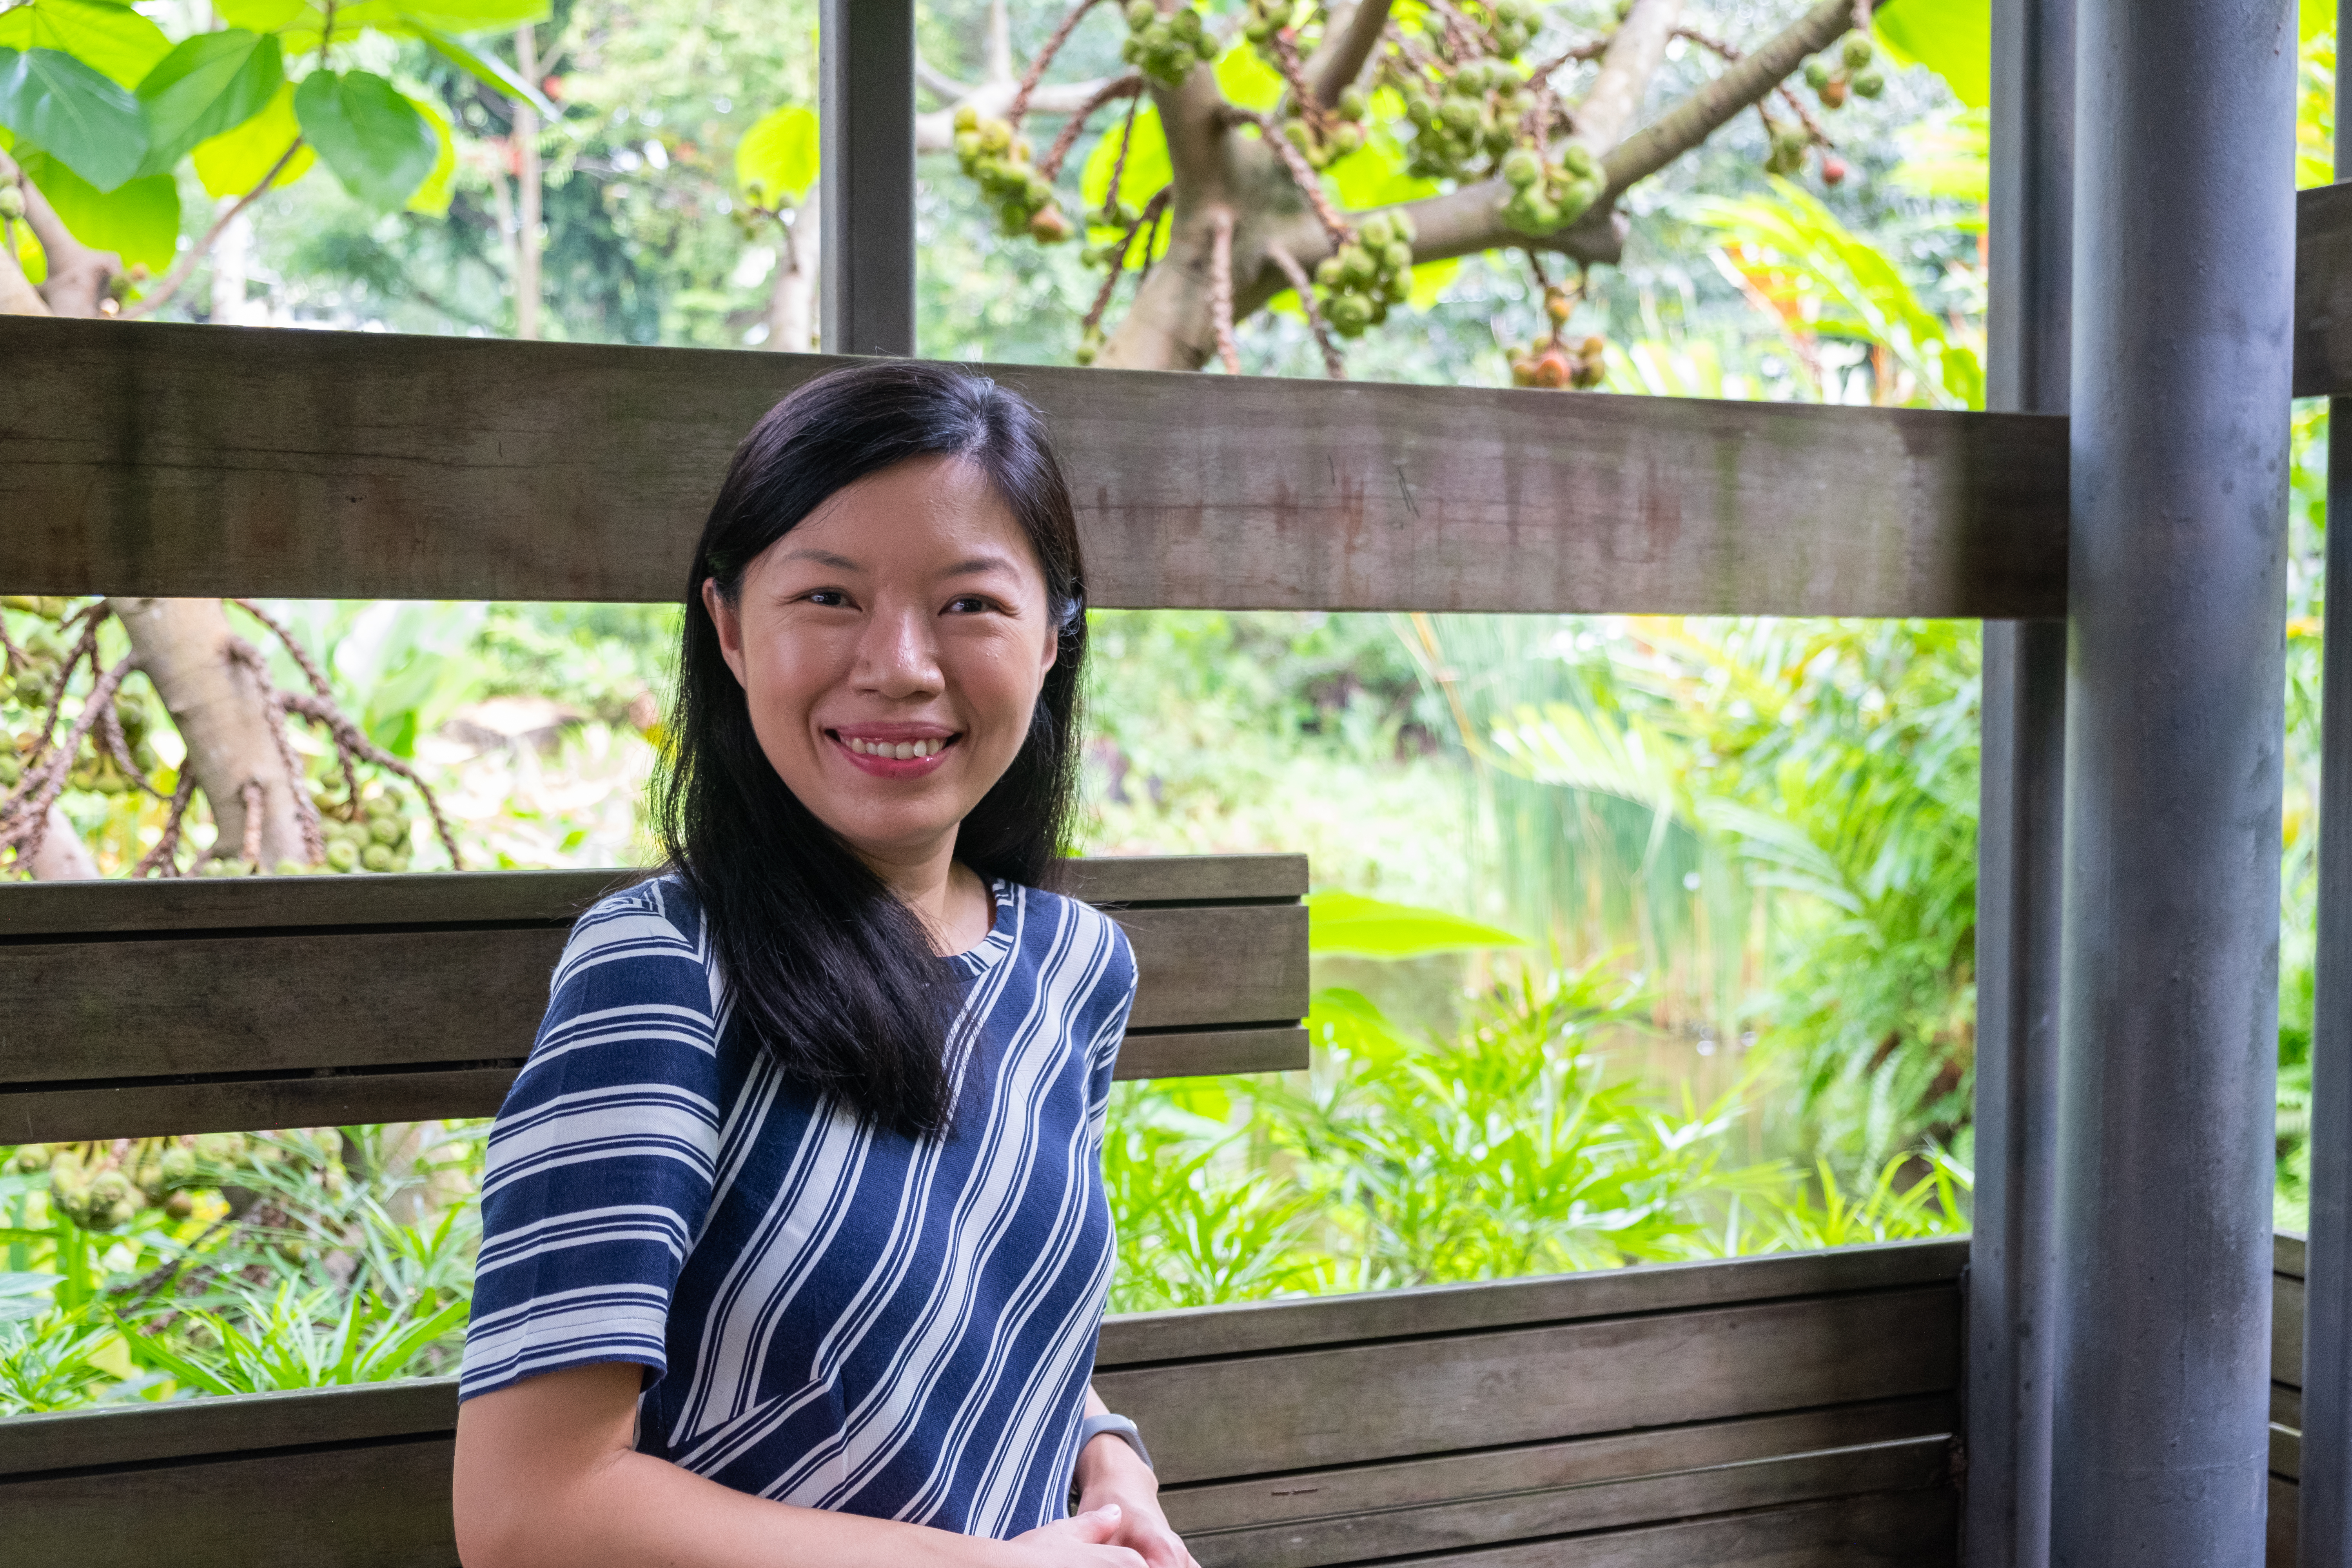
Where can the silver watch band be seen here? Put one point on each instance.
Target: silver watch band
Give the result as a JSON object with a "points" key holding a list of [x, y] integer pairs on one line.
{"points": [[1094, 1427]]}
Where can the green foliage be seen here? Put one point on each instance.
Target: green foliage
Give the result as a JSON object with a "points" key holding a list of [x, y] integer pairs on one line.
{"points": [[208, 84], [370, 134], [776, 160], [53, 101], [1349, 925]]}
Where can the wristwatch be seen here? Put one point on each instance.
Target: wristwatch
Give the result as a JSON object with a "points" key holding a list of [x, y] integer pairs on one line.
{"points": [[1119, 1427]]}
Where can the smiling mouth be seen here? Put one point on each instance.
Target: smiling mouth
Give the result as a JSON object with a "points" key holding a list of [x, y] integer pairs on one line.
{"points": [[896, 750]]}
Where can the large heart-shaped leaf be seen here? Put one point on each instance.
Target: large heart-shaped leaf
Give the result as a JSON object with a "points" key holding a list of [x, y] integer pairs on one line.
{"points": [[139, 220], [236, 161], [89, 124], [775, 162], [299, 22], [119, 43], [483, 68], [432, 197], [210, 83], [376, 141]]}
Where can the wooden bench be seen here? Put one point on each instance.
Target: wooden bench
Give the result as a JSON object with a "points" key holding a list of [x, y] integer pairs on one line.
{"points": [[1767, 1412], [2286, 1399]]}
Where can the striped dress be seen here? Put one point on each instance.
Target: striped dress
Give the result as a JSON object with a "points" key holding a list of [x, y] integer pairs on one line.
{"points": [[828, 1315]]}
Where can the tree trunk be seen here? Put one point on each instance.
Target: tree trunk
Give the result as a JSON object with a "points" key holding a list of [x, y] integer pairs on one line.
{"points": [[62, 856], [198, 667], [529, 192], [792, 294]]}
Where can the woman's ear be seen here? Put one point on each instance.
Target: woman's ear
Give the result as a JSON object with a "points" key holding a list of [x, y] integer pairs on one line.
{"points": [[728, 625]]}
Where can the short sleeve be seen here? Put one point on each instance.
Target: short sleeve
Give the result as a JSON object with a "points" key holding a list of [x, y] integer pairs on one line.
{"points": [[600, 1163], [1105, 1014]]}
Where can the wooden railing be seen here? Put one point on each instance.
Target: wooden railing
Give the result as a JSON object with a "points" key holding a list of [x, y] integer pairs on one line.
{"points": [[1754, 1414]]}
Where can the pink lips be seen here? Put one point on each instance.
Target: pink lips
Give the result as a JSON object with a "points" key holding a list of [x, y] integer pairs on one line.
{"points": [[892, 767]]}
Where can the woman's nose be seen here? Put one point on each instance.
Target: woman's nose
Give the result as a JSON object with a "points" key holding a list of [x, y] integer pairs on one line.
{"points": [[897, 656]]}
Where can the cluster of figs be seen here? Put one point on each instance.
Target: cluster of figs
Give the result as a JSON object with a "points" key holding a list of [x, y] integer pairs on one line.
{"points": [[1368, 274], [997, 158], [32, 680], [1165, 48], [373, 831], [1555, 360], [106, 1185]]}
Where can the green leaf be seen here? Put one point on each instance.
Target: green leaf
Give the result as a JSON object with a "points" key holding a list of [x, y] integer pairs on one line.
{"points": [[776, 164], [432, 197], [123, 44], [139, 220], [2314, 18], [1246, 81], [372, 136], [1351, 926], [487, 69], [233, 163], [1148, 170], [88, 123], [299, 22], [1952, 38], [211, 83]]}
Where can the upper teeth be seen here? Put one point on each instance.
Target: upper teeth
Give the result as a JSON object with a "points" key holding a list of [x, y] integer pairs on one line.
{"points": [[903, 751]]}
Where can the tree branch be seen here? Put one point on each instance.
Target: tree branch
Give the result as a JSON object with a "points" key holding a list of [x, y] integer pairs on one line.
{"points": [[186, 266], [1129, 86], [1045, 57], [935, 130], [996, 52], [1697, 117], [79, 275], [1221, 287], [1635, 53], [1333, 366], [1348, 42], [1468, 220]]}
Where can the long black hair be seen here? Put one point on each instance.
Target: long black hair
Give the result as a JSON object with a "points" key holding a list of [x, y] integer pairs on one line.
{"points": [[826, 967]]}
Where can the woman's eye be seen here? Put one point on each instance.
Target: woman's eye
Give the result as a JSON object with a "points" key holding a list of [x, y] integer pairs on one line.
{"points": [[828, 597], [968, 604]]}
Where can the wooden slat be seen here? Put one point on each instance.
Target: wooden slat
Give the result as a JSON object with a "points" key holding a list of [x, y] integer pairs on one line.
{"points": [[1883, 1530], [2286, 1253], [1549, 1512], [2323, 291], [207, 1005], [378, 1505], [2286, 1406], [189, 459], [1298, 1519], [2286, 1452], [1351, 1404], [2282, 1547], [212, 1428], [1150, 1338], [2286, 1330]]}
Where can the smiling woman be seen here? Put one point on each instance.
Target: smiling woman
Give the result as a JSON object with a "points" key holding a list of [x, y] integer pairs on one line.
{"points": [[796, 1240]]}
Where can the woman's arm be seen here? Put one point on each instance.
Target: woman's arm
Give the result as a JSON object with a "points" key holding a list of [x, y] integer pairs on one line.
{"points": [[1112, 1475], [546, 1477]]}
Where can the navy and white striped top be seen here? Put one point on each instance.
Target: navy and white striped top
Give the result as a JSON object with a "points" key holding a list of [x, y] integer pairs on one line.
{"points": [[830, 1315]]}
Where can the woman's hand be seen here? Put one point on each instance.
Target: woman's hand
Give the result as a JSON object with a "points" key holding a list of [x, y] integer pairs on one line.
{"points": [[1111, 1476], [1088, 1540]]}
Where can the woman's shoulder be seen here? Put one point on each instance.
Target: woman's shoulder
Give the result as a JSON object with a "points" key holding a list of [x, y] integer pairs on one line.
{"points": [[655, 921], [1062, 921]]}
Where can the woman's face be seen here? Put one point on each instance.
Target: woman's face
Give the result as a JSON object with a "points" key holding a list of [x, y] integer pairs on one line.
{"points": [[891, 648]]}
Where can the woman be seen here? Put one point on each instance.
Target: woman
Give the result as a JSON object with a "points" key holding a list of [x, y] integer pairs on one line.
{"points": [[794, 1236]]}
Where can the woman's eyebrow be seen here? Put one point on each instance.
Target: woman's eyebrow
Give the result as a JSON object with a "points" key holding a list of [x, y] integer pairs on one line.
{"points": [[973, 564], [825, 558]]}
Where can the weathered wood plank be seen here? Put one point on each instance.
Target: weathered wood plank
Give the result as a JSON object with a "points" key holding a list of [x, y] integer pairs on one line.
{"points": [[2286, 1405], [1483, 1519], [154, 1108], [378, 1505], [2286, 1452], [1493, 1494], [1883, 1530], [187, 459], [49, 910], [1351, 1404], [2286, 1330], [1148, 1338], [2323, 291], [234, 1424], [262, 1002], [2287, 1252]]}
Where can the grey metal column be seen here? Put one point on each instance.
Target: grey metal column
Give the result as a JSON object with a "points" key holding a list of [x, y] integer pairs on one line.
{"points": [[2324, 1497], [2184, 238], [2012, 1257], [865, 121]]}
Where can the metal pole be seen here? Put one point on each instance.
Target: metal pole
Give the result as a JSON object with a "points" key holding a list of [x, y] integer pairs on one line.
{"points": [[2012, 1257], [2184, 240], [865, 132], [2325, 1500]]}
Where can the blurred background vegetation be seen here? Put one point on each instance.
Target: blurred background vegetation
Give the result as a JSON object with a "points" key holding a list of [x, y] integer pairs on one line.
{"points": [[1635, 938]]}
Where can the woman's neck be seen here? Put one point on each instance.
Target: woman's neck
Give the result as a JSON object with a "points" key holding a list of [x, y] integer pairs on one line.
{"points": [[945, 895]]}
